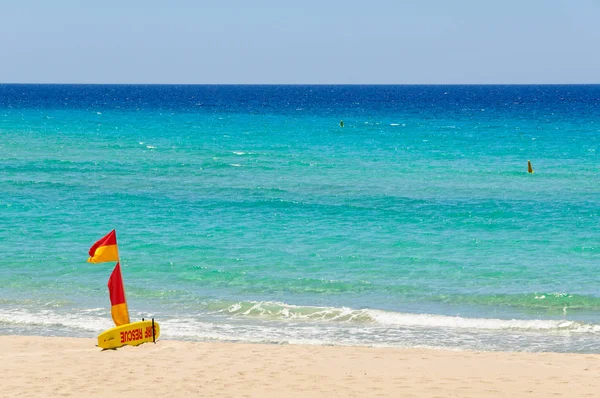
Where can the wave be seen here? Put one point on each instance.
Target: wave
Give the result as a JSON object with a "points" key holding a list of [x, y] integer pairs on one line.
{"points": [[220, 311], [282, 311]]}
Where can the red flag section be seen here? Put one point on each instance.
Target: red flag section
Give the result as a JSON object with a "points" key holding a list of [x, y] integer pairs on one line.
{"points": [[116, 290]]}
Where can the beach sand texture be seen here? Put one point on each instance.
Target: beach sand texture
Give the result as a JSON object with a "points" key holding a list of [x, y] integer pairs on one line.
{"points": [[63, 367]]}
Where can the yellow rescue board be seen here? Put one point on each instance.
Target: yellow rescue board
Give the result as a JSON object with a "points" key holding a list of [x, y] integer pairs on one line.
{"points": [[135, 333]]}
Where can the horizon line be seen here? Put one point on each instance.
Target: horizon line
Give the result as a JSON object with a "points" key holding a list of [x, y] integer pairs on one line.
{"points": [[300, 84]]}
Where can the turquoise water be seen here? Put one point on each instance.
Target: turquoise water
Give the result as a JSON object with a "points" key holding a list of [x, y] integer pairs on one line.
{"points": [[246, 213]]}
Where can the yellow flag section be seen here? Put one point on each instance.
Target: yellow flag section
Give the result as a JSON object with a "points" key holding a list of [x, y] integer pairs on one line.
{"points": [[135, 333]]}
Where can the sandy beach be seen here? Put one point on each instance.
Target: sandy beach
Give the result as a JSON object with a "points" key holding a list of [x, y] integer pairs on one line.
{"points": [[48, 366]]}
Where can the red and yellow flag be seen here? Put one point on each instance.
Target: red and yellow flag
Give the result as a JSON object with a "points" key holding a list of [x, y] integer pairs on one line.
{"points": [[116, 290], [105, 249]]}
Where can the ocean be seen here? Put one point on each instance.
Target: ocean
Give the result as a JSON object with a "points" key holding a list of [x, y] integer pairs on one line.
{"points": [[247, 213]]}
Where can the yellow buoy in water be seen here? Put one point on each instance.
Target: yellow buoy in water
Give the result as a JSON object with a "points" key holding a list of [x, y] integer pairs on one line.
{"points": [[529, 168]]}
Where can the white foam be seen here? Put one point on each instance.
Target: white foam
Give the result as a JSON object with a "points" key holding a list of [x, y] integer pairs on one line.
{"points": [[442, 321], [80, 320], [281, 323]]}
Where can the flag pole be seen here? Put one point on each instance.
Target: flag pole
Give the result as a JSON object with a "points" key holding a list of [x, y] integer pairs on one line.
{"points": [[124, 292], [122, 280], [153, 334]]}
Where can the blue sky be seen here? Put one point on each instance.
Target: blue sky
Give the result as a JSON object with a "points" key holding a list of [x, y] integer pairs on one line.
{"points": [[298, 42]]}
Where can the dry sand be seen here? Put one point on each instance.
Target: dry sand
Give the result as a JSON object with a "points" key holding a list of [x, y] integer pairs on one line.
{"points": [[53, 367]]}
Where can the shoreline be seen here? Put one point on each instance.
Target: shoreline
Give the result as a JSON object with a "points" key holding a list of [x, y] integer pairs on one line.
{"points": [[63, 366]]}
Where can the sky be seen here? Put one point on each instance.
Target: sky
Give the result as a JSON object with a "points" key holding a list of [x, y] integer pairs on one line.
{"points": [[300, 42]]}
